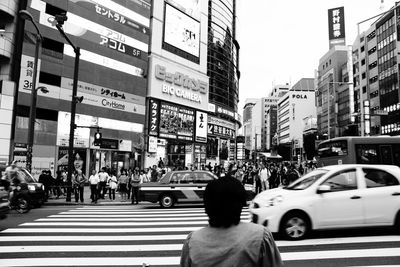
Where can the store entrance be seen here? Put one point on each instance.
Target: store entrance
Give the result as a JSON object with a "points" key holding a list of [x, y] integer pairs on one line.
{"points": [[176, 155]]}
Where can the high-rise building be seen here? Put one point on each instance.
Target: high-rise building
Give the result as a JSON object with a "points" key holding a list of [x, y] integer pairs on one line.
{"points": [[376, 76], [178, 89], [293, 107], [10, 44], [332, 86], [269, 118], [113, 39], [224, 74]]}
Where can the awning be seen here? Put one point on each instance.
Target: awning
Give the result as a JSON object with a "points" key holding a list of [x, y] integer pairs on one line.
{"points": [[270, 156]]}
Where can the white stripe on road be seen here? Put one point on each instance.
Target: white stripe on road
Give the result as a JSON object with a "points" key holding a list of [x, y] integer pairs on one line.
{"points": [[91, 248], [310, 242], [164, 261], [102, 230], [127, 219], [340, 240], [95, 224], [85, 261], [129, 212], [128, 215], [92, 238], [341, 254]]}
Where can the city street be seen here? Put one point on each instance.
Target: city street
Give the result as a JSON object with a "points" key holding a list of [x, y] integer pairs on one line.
{"points": [[133, 235]]}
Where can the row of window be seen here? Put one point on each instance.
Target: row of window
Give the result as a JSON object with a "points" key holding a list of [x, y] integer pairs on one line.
{"points": [[392, 108], [390, 86], [386, 41], [387, 25], [388, 72], [386, 57], [394, 127], [374, 94]]}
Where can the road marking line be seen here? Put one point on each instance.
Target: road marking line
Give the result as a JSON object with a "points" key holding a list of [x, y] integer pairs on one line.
{"points": [[92, 238], [91, 248], [129, 212], [340, 254], [129, 215], [102, 230], [340, 240], [85, 261], [95, 224], [128, 219]]}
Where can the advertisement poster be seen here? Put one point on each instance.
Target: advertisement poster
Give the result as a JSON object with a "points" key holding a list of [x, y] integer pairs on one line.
{"points": [[79, 159], [336, 25], [201, 127], [176, 122], [181, 31]]}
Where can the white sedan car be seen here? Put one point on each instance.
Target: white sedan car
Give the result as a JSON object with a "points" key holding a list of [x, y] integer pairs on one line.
{"points": [[339, 196]]}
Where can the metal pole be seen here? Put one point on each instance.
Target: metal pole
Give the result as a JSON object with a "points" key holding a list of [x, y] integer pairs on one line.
{"points": [[72, 125], [32, 112], [329, 111]]}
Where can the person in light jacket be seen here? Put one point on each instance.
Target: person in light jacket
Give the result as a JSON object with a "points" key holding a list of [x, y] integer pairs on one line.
{"points": [[112, 183], [227, 241]]}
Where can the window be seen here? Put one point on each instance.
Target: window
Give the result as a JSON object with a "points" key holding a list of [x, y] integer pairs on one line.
{"points": [[367, 154], [202, 177], [363, 75], [362, 48], [378, 178], [362, 62], [53, 10], [331, 149], [186, 178], [364, 89], [342, 181], [49, 78]]}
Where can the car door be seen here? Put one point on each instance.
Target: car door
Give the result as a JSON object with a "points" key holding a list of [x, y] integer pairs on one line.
{"points": [[187, 187], [201, 181], [381, 196], [342, 206]]}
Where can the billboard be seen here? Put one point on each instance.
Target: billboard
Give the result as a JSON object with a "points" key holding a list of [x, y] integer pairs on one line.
{"points": [[201, 127], [176, 122], [336, 26], [154, 112], [181, 31]]}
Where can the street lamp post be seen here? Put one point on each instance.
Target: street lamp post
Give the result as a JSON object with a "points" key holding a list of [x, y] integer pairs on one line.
{"points": [[25, 15], [60, 19]]}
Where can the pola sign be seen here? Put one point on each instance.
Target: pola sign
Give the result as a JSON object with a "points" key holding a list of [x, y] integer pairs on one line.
{"points": [[299, 96]]}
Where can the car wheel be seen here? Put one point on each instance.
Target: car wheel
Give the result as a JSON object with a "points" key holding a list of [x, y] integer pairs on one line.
{"points": [[295, 226], [22, 205], [397, 222], [167, 201]]}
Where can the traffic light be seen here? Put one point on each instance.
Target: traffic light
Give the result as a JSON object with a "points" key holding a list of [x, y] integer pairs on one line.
{"points": [[97, 139]]}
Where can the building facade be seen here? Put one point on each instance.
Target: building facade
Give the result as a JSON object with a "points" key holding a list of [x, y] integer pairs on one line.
{"points": [[269, 111], [293, 107], [114, 39], [224, 74], [178, 88], [10, 44], [331, 83]]}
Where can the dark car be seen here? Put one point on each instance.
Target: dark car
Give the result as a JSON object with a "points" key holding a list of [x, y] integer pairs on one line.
{"points": [[178, 187], [4, 205], [34, 188]]}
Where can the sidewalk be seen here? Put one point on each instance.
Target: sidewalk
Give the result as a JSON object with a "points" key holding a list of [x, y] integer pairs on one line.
{"points": [[53, 201]]}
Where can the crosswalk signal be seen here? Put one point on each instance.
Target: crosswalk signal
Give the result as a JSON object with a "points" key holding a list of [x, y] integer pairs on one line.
{"points": [[97, 139]]}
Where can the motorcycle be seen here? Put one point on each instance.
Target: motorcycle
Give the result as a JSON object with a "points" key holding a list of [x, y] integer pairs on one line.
{"points": [[20, 199]]}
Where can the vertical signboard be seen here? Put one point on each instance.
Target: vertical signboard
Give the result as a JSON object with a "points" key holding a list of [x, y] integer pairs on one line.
{"points": [[336, 26], [154, 110], [201, 127]]}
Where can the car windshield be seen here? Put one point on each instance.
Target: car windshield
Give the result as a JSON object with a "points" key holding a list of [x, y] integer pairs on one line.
{"points": [[25, 177], [307, 180]]}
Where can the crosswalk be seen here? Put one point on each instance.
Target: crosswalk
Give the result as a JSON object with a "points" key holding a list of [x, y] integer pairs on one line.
{"points": [[124, 236]]}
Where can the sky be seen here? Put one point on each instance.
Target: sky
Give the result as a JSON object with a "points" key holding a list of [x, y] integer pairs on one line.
{"points": [[281, 41]]}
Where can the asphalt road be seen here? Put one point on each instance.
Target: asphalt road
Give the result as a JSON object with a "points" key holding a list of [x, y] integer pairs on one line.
{"points": [[133, 235]]}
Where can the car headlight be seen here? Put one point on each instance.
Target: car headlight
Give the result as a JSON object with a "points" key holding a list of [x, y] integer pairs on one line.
{"points": [[31, 187], [43, 187], [274, 201]]}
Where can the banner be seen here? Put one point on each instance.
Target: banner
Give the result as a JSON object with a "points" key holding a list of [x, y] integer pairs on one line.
{"points": [[176, 122], [336, 26], [154, 110], [201, 127], [79, 159]]}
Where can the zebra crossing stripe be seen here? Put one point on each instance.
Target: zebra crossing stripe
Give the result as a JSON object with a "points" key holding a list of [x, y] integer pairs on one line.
{"points": [[95, 224], [93, 261], [102, 230], [127, 219], [127, 215], [91, 238]]}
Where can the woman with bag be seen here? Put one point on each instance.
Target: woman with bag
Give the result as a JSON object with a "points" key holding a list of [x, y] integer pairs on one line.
{"points": [[112, 183], [122, 184]]}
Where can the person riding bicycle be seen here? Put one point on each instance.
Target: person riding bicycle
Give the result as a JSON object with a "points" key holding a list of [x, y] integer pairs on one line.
{"points": [[11, 180]]}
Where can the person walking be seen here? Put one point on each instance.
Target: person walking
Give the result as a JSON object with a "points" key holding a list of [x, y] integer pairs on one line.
{"points": [[264, 176], [58, 183], [79, 184], [94, 181], [227, 241], [122, 185], [103, 176], [135, 183], [112, 184]]}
